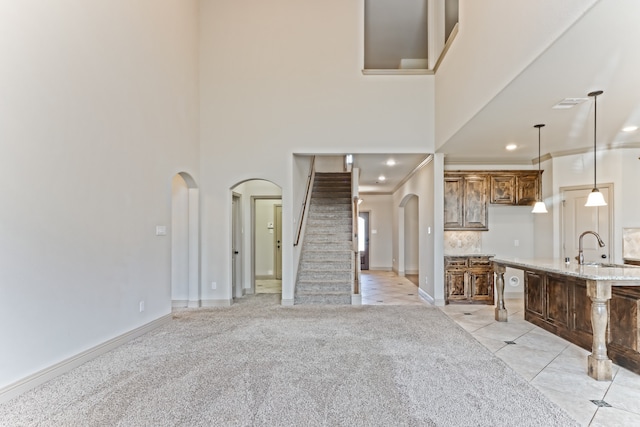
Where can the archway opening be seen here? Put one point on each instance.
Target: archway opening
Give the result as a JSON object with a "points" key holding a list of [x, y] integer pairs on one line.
{"points": [[185, 231], [256, 241]]}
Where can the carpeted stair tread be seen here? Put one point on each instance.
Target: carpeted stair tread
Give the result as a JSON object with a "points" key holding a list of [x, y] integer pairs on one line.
{"points": [[327, 262]]}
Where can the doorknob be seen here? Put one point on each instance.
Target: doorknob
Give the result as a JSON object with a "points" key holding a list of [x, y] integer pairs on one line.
{"points": [[603, 256]]}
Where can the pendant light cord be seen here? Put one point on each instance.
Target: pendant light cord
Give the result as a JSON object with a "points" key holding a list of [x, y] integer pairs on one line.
{"points": [[595, 132], [595, 128], [539, 160], [539, 126]]}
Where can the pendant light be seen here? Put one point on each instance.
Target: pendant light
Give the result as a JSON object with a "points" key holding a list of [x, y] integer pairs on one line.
{"points": [[539, 207], [595, 197]]}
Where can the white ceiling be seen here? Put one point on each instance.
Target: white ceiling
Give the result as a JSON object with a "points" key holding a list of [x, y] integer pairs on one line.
{"points": [[373, 165], [600, 52]]}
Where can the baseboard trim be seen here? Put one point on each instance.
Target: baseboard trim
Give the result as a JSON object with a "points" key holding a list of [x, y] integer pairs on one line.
{"points": [[411, 272], [356, 299], [216, 302], [266, 277], [179, 303], [12, 390], [425, 296], [287, 302]]}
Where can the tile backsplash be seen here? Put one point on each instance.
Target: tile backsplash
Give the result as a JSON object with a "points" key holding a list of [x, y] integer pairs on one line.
{"points": [[462, 242], [630, 243]]}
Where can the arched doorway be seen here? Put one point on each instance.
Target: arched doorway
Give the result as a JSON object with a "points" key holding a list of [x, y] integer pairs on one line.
{"points": [[256, 238], [185, 247]]}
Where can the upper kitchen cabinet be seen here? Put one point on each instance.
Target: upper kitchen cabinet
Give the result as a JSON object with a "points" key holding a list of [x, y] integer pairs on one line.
{"points": [[514, 187], [465, 201]]}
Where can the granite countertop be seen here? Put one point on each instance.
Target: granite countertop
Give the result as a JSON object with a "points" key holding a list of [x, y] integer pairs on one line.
{"points": [[618, 273]]}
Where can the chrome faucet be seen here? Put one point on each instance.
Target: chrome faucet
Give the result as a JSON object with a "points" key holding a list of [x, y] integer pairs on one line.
{"points": [[580, 256]]}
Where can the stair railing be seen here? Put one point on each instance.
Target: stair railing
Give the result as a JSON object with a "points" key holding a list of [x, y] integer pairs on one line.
{"points": [[355, 174], [303, 210]]}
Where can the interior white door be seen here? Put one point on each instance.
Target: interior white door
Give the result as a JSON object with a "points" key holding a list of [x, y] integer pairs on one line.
{"points": [[278, 242], [577, 218], [236, 239]]}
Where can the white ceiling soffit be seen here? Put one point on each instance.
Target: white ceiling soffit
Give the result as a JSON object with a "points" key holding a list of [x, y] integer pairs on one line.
{"points": [[372, 166], [600, 52]]}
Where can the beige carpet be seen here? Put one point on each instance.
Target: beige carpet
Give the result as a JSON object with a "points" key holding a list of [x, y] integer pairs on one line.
{"points": [[260, 364]]}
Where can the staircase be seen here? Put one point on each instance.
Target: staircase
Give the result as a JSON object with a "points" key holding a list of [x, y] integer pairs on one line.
{"points": [[325, 274]]}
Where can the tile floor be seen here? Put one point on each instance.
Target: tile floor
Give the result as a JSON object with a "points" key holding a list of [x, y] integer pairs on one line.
{"points": [[554, 366], [268, 286]]}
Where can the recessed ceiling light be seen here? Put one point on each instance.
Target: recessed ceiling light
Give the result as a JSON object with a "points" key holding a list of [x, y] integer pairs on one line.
{"points": [[381, 178], [511, 147], [569, 103], [391, 162], [630, 128]]}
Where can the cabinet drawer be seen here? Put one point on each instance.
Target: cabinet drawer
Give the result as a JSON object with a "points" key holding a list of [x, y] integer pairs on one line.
{"points": [[479, 262], [455, 262]]}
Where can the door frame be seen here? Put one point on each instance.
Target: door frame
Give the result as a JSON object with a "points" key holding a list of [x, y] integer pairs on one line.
{"points": [[367, 237], [561, 243], [253, 235], [237, 287], [277, 250]]}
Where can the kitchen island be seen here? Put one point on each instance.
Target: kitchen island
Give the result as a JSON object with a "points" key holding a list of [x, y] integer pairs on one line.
{"points": [[595, 306]]}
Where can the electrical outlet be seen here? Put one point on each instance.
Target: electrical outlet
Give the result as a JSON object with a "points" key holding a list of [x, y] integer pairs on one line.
{"points": [[141, 306], [516, 243], [214, 285]]}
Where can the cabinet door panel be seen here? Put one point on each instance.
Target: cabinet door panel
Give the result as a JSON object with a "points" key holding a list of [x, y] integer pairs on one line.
{"points": [[558, 300], [503, 189], [582, 308], [453, 194], [534, 291], [456, 285], [527, 189], [481, 284], [475, 202], [624, 323]]}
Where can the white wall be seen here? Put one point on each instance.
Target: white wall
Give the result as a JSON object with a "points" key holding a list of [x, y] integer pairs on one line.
{"points": [[380, 208], [496, 60], [619, 167], [411, 236], [98, 113], [293, 84], [421, 185]]}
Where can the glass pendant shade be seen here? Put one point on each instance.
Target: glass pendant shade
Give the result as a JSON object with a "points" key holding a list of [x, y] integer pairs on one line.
{"points": [[595, 198], [539, 207]]}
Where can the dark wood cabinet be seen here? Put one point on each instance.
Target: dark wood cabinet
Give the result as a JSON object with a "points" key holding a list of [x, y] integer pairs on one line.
{"points": [[514, 187], [559, 304], [527, 184], [503, 189], [467, 195], [469, 279], [465, 202]]}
